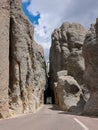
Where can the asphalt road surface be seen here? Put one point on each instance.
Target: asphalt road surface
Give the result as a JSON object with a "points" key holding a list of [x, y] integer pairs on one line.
{"points": [[50, 118]]}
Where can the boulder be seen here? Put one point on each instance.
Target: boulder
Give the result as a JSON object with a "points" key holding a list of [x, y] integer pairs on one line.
{"points": [[62, 73], [69, 94]]}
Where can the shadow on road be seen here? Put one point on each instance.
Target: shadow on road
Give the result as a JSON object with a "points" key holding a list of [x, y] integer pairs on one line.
{"points": [[55, 108], [60, 111]]}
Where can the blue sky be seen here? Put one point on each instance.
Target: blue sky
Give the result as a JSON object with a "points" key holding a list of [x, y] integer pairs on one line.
{"points": [[33, 18], [46, 15]]}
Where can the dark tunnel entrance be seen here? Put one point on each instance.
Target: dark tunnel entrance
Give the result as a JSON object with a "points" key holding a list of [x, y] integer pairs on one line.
{"points": [[48, 93], [48, 96]]}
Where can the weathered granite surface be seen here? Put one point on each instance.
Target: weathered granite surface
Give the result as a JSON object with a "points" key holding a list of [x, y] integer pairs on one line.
{"points": [[66, 53], [68, 94], [90, 53], [4, 57], [22, 65], [27, 64], [66, 49]]}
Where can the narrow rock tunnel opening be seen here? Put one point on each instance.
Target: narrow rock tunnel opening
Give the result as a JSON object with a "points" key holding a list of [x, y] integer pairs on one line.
{"points": [[48, 93], [48, 96]]}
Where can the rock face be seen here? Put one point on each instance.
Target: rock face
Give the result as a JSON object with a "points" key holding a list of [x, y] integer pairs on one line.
{"points": [[67, 42], [23, 68], [75, 65], [4, 56], [66, 52], [90, 52], [27, 64], [69, 94]]}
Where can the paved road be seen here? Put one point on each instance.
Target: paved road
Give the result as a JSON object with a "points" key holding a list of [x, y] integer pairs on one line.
{"points": [[50, 118]]}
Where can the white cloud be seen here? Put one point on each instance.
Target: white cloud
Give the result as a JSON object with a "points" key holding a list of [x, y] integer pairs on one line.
{"points": [[51, 13], [24, 0], [54, 12]]}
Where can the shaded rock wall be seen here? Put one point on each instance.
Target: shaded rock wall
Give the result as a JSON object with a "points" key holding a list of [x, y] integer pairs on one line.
{"points": [[23, 67], [4, 56], [90, 53]]}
